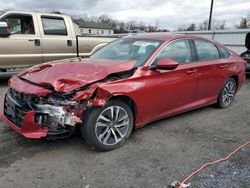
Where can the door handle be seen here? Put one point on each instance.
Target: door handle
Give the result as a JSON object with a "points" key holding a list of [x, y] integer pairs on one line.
{"points": [[192, 71], [37, 42], [69, 42]]}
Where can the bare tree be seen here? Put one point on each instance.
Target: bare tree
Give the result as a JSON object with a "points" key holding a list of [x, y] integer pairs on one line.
{"points": [[191, 27], [121, 28], [244, 23], [203, 26], [151, 28], [105, 19], [219, 25]]}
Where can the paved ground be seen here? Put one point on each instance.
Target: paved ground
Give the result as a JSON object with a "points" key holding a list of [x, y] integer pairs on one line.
{"points": [[154, 156]]}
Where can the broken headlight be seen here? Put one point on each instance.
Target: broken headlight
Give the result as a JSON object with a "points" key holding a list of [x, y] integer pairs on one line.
{"points": [[59, 101]]}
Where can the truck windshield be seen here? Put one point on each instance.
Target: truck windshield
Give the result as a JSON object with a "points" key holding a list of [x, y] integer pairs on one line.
{"points": [[128, 49]]}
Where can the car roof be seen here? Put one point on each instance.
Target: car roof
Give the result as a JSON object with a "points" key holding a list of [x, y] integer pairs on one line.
{"points": [[165, 36]]}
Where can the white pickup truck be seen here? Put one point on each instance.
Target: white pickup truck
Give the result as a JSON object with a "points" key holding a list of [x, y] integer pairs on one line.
{"points": [[30, 38]]}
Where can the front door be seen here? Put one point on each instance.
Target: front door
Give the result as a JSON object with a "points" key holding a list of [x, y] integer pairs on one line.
{"points": [[22, 48], [169, 91]]}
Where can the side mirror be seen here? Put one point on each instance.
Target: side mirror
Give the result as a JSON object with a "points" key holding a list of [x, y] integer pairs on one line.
{"points": [[4, 29], [166, 64]]}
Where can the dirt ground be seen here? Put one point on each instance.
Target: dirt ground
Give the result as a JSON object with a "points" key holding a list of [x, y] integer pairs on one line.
{"points": [[154, 156]]}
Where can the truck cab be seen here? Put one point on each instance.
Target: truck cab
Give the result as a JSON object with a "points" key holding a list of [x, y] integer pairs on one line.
{"points": [[36, 37]]}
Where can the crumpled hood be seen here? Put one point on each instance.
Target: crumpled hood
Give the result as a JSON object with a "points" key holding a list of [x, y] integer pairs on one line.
{"points": [[70, 74]]}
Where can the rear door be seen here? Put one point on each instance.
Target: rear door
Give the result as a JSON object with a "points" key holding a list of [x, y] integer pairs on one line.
{"points": [[22, 48], [56, 37], [211, 67]]}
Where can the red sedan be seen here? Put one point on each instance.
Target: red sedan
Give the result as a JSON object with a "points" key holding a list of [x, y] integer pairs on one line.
{"points": [[125, 85]]}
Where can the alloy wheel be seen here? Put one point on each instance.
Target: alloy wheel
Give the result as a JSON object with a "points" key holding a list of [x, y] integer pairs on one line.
{"points": [[112, 125], [228, 93]]}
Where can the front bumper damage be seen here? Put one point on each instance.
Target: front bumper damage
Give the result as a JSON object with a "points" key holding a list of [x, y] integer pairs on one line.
{"points": [[38, 120]]}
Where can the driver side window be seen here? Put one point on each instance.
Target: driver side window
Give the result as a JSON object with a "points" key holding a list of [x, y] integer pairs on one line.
{"points": [[178, 50], [20, 24]]}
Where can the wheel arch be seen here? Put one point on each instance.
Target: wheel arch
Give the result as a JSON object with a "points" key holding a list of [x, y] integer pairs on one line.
{"points": [[236, 78], [128, 100]]}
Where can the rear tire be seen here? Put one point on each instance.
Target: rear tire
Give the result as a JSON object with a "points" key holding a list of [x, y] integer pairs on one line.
{"points": [[106, 128], [227, 93]]}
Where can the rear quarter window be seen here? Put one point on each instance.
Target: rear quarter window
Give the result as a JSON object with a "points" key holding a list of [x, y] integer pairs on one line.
{"points": [[206, 50], [224, 54]]}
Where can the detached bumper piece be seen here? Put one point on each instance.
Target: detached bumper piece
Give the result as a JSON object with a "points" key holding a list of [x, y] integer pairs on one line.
{"points": [[36, 121]]}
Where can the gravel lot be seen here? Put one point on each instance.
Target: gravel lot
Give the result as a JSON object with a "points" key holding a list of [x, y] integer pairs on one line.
{"points": [[154, 156]]}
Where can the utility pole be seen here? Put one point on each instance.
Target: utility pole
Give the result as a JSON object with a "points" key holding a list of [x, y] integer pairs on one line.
{"points": [[210, 15]]}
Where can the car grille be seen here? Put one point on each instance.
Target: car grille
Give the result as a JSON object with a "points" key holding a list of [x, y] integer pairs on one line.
{"points": [[16, 106]]}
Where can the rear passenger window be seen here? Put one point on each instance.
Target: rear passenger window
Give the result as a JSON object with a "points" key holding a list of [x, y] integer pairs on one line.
{"points": [[54, 26], [178, 50], [206, 51], [224, 54]]}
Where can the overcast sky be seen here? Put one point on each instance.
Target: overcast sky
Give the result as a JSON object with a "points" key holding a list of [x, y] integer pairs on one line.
{"points": [[169, 14]]}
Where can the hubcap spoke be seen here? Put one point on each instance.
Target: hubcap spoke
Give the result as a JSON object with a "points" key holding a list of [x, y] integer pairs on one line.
{"points": [[114, 134], [104, 119], [106, 137], [121, 124], [122, 118], [119, 132], [99, 124], [103, 134], [112, 113], [117, 114]]}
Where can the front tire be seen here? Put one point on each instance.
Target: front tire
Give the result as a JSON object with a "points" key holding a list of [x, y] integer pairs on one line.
{"points": [[106, 128], [227, 93]]}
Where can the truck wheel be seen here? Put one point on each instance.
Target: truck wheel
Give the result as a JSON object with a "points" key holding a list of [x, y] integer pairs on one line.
{"points": [[106, 128], [227, 93]]}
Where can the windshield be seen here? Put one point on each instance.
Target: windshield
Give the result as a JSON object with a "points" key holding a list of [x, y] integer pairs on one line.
{"points": [[128, 49]]}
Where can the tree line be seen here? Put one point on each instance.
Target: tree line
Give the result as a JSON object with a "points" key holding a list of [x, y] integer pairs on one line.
{"points": [[125, 27], [244, 23], [119, 26]]}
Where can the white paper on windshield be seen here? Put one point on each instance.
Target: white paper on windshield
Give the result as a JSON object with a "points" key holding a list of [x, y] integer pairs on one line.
{"points": [[141, 43]]}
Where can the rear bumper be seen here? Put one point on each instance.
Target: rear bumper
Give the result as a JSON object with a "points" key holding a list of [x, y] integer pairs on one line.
{"points": [[29, 128]]}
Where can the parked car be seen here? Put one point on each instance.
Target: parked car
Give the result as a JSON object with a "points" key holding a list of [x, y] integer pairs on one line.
{"points": [[30, 38], [135, 32], [246, 55], [124, 85]]}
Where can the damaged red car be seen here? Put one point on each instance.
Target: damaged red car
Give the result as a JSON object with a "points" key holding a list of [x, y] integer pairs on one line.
{"points": [[125, 85]]}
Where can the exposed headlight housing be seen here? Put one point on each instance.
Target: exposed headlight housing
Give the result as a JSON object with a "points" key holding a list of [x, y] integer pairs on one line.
{"points": [[58, 100]]}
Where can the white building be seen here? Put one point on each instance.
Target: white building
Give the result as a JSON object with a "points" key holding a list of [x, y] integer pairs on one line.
{"points": [[94, 28]]}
